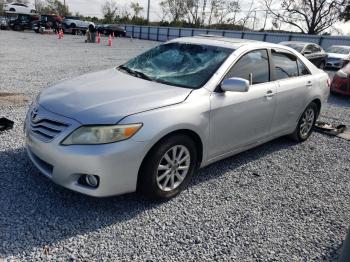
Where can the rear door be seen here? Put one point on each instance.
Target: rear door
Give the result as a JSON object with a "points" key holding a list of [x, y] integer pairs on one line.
{"points": [[293, 81], [238, 119]]}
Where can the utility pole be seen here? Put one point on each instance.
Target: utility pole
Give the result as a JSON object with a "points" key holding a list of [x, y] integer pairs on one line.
{"points": [[148, 8]]}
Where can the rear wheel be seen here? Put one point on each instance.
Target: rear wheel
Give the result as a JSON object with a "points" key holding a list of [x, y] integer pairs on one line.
{"points": [[168, 168], [306, 123]]}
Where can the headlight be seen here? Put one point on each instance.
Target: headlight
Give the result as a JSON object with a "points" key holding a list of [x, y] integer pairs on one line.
{"points": [[94, 135]]}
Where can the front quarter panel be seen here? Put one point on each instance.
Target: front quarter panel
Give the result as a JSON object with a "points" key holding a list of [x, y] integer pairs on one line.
{"points": [[192, 114]]}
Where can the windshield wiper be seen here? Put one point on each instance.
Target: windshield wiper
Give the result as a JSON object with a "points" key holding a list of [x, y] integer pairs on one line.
{"points": [[136, 73]]}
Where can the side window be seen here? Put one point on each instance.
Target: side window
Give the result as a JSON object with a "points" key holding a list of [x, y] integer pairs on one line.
{"points": [[302, 68], [285, 65], [255, 63], [316, 49], [308, 48]]}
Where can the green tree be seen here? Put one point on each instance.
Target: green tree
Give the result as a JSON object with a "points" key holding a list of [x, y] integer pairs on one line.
{"points": [[346, 14]]}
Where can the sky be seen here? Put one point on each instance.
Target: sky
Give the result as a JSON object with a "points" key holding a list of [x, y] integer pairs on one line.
{"points": [[93, 8]]}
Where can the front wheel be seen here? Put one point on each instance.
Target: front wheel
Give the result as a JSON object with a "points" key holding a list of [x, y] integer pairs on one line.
{"points": [[168, 168], [306, 123]]}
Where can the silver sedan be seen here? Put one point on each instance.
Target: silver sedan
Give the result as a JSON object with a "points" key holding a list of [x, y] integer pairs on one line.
{"points": [[150, 123]]}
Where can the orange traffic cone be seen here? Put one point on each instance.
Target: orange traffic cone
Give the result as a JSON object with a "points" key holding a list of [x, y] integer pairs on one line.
{"points": [[98, 38], [109, 40], [59, 35]]}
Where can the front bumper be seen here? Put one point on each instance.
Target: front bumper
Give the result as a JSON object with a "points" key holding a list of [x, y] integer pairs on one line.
{"points": [[337, 64], [116, 164]]}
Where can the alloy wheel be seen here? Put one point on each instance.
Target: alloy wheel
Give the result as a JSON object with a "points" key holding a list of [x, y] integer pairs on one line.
{"points": [[173, 168], [307, 122]]}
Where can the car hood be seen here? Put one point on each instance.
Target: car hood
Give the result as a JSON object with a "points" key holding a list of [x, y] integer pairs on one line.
{"points": [[108, 96], [335, 55]]}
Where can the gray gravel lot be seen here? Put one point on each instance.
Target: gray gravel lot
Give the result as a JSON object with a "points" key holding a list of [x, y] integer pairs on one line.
{"points": [[279, 202]]}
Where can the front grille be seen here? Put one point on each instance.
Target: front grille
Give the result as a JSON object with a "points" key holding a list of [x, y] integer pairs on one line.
{"points": [[46, 129]]}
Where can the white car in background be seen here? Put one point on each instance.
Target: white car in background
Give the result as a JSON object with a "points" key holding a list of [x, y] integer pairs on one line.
{"points": [[75, 22], [338, 56], [19, 8]]}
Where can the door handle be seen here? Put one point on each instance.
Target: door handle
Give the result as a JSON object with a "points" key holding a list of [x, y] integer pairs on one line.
{"points": [[309, 84], [270, 94]]}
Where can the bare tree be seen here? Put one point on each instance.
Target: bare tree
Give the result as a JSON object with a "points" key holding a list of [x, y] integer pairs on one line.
{"points": [[345, 15], [223, 11], [39, 5], [109, 11], [248, 15], [193, 11], [310, 17], [136, 8], [175, 9]]}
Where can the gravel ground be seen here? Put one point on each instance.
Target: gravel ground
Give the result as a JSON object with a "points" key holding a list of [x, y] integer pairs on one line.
{"points": [[279, 202]]}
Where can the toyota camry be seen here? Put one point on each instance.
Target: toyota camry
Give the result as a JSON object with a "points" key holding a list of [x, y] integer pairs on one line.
{"points": [[149, 124]]}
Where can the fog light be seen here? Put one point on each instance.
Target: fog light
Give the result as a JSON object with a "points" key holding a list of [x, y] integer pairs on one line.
{"points": [[91, 180]]}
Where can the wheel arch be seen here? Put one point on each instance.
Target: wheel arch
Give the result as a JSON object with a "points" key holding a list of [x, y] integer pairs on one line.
{"points": [[188, 132], [318, 103]]}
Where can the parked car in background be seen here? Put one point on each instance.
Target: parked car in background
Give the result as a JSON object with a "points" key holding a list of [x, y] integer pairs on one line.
{"points": [[19, 8], [4, 25], [150, 123], [109, 29], [46, 21], [76, 22], [341, 81], [338, 56], [311, 51], [22, 22]]}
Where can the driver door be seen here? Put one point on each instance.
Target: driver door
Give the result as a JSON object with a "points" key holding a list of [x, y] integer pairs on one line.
{"points": [[240, 119]]}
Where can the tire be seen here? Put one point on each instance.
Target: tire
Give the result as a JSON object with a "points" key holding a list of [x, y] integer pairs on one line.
{"points": [[161, 179], [17, 28], [305, 124]]}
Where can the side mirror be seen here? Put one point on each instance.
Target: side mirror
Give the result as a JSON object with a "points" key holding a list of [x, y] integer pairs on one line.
{"points": [[235, 85]]}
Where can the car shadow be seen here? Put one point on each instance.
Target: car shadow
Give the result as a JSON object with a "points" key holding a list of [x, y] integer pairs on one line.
{"points": [[339, 100], [37, 213]]}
